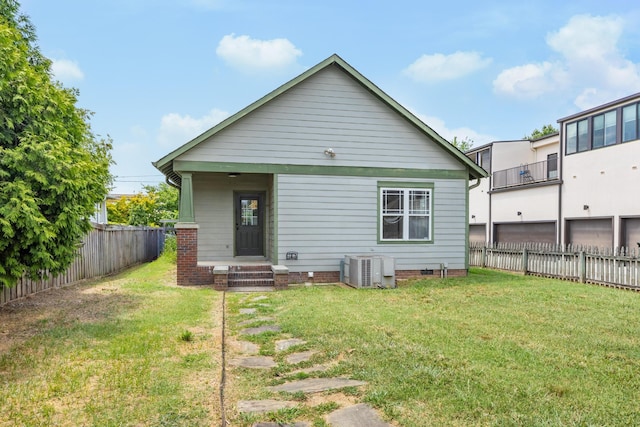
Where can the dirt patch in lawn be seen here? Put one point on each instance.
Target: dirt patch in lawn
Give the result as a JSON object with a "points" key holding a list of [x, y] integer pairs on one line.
{"points": [[87, 301]]}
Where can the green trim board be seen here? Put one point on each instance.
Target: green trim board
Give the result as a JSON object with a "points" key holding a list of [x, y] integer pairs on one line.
{"points": [[274, 191], [186, 212], [184, 166], [407, 184], [166, 166]]}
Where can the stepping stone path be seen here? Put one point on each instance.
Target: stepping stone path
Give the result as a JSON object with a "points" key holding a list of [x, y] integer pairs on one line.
{"points": [[261, 406], [255, 362], [360, 415], [315, 385], [356, 416], [261, 329], [295, 358], [282, 345]]}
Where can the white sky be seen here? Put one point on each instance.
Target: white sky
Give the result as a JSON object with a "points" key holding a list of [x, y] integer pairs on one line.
{"points": [[156, 73]]}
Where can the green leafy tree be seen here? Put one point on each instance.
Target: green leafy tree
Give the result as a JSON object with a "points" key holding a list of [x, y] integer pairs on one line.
{"points": [[167, 200], [157, 203], [463, 144], [546, 130], [53, 169]]}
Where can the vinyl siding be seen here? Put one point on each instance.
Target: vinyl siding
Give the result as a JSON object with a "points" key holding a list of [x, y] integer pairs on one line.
{"points": [[213, 207], [328, 110], [324, 218]]}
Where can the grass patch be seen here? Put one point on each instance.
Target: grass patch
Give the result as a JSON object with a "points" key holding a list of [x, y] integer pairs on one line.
{"points": [[114, 359], [489, 349]]}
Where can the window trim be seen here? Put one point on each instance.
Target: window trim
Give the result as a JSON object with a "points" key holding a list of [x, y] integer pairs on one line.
{"points": [[405, 186]]}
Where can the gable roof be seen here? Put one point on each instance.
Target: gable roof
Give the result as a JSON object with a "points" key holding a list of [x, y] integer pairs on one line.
{"points": [[165, 164]]}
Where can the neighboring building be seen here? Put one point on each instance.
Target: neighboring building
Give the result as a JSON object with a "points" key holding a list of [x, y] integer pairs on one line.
{"points": [[325, 166], [575, 187]]}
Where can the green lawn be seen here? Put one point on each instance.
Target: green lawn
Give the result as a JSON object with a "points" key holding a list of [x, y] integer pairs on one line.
{"points": [[133, 350], [490, 349]]}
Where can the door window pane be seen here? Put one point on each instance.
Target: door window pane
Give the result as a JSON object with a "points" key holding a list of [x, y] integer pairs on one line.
{"points": [[249, 211]]}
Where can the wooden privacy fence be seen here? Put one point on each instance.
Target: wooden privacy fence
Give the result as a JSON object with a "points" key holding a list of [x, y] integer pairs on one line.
{"points": [[105, 250], [619, 267]]}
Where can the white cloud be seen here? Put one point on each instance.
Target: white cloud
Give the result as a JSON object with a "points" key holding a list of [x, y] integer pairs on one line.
{"points": [[66, 70], [176, 129], [439, 67], [587, 37], [591, 66], [461, 133], [247, 54], [530, 80]]}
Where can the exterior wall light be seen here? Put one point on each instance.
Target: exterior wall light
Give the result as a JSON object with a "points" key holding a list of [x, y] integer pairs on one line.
{"points": [[329, 152], [585, 207]]}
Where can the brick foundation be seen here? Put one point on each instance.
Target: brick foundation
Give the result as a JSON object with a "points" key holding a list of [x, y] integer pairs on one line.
{"points": [[188, 271]]}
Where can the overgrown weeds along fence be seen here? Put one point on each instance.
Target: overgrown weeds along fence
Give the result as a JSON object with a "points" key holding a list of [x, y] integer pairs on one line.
{"points": [[105, 250], [618, 267]]}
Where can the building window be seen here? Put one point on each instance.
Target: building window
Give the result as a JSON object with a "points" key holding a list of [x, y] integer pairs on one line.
{"points": [[552, 166], [604, 129], [577, 136], [630, 122], [484, 160], [405, 214]]}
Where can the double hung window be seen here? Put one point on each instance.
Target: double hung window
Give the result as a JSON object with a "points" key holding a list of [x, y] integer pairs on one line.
{"points": [[405, 214]]}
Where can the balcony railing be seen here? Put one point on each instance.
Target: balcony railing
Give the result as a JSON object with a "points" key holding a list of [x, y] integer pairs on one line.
{"points": [[546, 170]]}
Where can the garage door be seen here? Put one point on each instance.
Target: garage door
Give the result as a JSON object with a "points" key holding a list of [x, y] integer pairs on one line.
{"points": [[477, 233], [631, 233], [526, 232], [590, 232]]}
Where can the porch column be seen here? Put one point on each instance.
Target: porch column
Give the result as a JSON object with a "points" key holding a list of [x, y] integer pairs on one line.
{"points": [[187, 257], [186, 213]]}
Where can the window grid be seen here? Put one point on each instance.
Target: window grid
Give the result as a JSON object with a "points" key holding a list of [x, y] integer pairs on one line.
{"points": [[406, 214]]}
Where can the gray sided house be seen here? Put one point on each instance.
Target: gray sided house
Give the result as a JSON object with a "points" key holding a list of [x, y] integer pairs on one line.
{"points": [[325, 166]]}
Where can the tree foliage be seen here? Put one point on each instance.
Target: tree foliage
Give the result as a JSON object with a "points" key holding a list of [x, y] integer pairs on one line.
{"points": [[463, 144], [53, 169], [148, 208], [544, 131]]}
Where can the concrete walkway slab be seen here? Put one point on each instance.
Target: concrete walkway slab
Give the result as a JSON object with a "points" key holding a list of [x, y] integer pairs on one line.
{"points": [[360, 415], [254, 362], [248, 310], [245, 347], [260, 298], [296, 358], [282, 345], [262, 406], [314, 385], [260, 329]]}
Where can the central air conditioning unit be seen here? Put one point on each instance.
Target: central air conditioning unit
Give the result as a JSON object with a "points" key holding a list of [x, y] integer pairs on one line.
{"points": [[370, 271]]}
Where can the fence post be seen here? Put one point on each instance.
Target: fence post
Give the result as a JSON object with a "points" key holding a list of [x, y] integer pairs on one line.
{"points": [[525, 260], [483, 262], [582, 266]]}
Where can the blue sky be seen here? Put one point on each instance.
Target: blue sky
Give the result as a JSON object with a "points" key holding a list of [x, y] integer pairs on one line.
{"points": [[157, 73]]}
